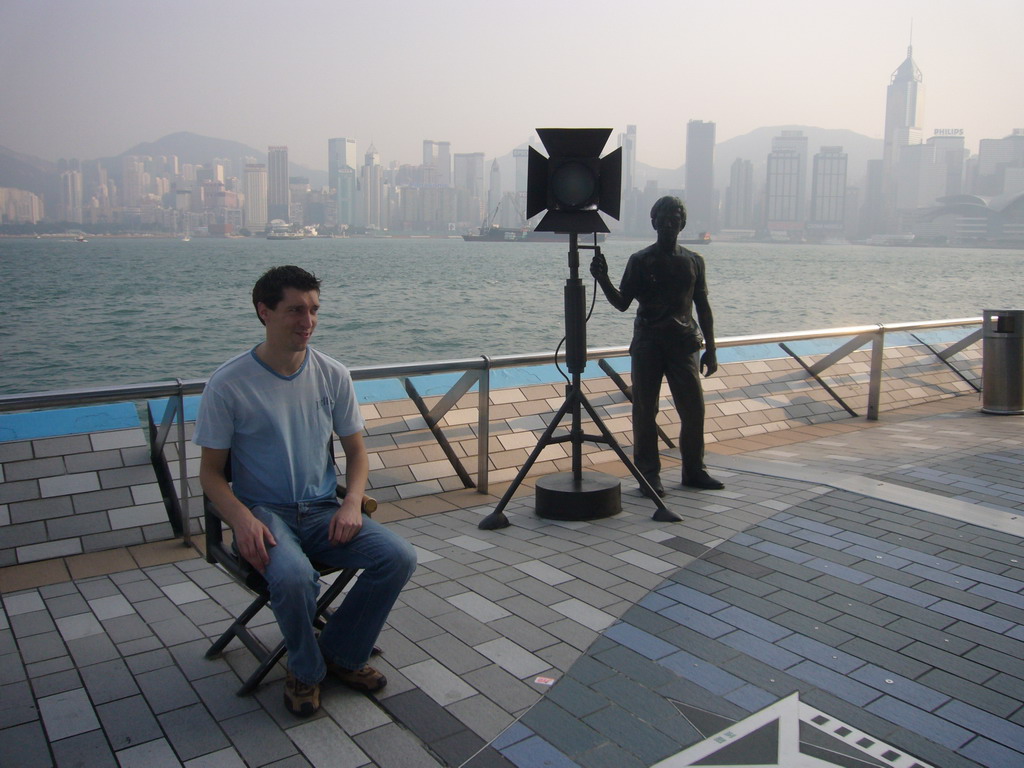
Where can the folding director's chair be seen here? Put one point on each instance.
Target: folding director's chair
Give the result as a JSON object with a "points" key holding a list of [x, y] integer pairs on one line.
{"points": [[223, 553]]}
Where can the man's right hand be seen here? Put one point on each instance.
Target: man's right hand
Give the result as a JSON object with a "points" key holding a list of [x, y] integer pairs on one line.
{"points": [[253, 538], [599, 267]]}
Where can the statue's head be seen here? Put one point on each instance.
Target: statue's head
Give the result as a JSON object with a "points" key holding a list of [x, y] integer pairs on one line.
{"points": [[668, 204]]}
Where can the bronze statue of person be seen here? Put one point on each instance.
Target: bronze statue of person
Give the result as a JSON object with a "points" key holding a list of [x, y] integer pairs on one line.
{"points": [[667, 281]]}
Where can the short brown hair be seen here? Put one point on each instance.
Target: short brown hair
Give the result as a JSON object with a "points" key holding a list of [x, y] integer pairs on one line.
{"points": [[269, 289]]}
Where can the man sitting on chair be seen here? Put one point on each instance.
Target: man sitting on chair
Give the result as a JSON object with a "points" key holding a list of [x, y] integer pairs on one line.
{"points": [[274, 408]]}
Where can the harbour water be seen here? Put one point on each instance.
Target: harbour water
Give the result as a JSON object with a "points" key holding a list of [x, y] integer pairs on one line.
{"points": [[118, 311]]}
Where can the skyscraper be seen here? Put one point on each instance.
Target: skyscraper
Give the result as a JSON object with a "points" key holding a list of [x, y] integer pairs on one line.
{"points": [[278, 193], [739, 200], [71, 196], [903, 112], [828, 193], [999, 159], [700, 176], [627, 141], [786, 183], [469, 186], [494, 190], [254, 210], [341, 171], [372, 183], [437, 155], [340, 153]]}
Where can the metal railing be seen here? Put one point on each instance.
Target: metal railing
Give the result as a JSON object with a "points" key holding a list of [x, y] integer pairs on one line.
{"points": [[476, 372]]}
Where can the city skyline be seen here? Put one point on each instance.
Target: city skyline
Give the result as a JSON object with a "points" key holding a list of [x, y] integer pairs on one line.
{"points": [[103, 77]]}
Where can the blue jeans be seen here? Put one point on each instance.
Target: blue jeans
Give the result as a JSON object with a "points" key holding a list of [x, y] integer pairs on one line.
{"points": [[387, 562]]}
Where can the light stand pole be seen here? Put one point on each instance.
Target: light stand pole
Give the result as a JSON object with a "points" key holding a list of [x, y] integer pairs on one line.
{"points": [[576, 495]]}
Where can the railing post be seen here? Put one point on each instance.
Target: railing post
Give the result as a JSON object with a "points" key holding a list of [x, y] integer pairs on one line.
{"points": [[875, 381], [186, 523], [483, 427]]}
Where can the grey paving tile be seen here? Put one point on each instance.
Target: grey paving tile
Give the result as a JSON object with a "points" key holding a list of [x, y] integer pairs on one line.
{"points": [[47, 667], [33, 623], [390, 746], [18, 704], [55, 682], [452, 653], [505, 690], [257, 740], [92, 649], [166, 688], [224, 758], [885, 657], [108, 681], [49, 645], [87, 749], [192, 732], [324, 742], [355, 712], [121, 629], [917, 720], [423, 716], [128, 722], [152, 754], [68, 714], [565, 732], [459, 747], [26, 745]]}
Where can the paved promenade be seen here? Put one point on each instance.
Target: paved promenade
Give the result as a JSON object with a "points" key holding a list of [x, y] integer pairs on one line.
{"points": [[855, 597]]}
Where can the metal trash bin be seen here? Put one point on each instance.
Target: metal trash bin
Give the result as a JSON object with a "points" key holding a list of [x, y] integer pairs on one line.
{"points": [[1002, 368]]}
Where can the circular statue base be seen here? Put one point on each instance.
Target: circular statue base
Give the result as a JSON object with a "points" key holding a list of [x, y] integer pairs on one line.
{"points": [[561, 497]]}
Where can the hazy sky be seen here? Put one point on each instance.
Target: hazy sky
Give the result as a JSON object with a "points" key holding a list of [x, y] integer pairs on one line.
{"points": [[91, 78]]}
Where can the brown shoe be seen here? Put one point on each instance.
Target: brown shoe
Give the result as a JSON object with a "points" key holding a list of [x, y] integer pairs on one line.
{"points": [[365, 680], [300, 699]]}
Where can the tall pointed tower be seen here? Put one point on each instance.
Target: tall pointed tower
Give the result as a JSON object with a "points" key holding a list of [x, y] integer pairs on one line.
{"points": [[903, 112]]}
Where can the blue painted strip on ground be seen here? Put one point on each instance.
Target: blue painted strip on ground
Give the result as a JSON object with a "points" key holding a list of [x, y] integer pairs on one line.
{"points": [[67, 421]]}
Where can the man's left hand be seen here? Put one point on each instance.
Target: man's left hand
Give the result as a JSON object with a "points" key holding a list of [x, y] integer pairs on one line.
{"points": [[346, 523], [709, 363]]}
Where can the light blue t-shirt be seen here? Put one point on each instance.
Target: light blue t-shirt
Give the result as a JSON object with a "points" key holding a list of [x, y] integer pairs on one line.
{"points": [[277, 427]]}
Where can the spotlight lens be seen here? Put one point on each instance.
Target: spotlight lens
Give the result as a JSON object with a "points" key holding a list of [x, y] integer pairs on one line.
{"points": [[573, 184]]}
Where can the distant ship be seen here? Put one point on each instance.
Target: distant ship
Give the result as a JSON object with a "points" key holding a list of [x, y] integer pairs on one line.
{"points": [[279, 231], [496, 234], [703, 239], [490, 232]]}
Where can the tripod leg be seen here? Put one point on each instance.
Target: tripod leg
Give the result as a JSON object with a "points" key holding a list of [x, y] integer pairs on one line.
{"points": [[663, 514], [496, 519]]}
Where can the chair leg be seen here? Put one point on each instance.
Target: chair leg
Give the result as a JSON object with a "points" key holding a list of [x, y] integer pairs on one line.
{"points": [[266, 664], [238, 626], [268, 658]]}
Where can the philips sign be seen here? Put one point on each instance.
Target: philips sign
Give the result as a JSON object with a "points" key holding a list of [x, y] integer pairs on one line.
{"points": [[949, 131]]}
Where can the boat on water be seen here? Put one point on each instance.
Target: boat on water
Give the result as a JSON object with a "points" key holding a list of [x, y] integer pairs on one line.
{"points": [[489, 232], [496, 234], [704, 238], [279, 230]]}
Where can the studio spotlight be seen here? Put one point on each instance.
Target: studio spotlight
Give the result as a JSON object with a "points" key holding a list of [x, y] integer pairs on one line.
{"points": [[574, 182], [573, 185]]}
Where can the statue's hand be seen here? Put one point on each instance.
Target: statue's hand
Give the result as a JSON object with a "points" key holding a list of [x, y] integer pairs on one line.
{"points": [[709, 363], [599, 267]]}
